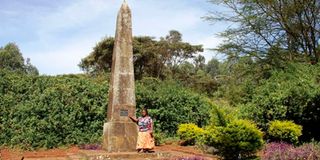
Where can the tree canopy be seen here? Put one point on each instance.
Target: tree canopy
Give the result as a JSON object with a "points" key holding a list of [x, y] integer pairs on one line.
{"points": [[11, 59], [271, 31], [153, 58]]}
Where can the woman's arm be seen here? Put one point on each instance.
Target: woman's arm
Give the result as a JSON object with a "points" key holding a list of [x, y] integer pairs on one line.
{"points": [[133, 119]]}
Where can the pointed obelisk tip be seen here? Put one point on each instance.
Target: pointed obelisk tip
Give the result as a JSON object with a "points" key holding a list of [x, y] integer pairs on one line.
{"points": [[125, 3]]}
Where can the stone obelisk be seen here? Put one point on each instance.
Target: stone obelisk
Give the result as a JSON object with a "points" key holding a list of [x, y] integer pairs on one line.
{"points": [[120, 133]]}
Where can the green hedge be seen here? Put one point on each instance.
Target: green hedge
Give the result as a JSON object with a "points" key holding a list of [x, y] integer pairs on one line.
{"points": [[52, 111], [170, 104], [49, 111], [289, 94]]}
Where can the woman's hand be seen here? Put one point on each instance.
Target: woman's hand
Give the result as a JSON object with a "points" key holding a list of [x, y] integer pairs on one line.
{"points": [[133, 119]]}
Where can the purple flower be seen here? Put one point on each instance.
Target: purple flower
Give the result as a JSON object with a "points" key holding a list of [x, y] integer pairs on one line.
{"points": [[284, 151]]}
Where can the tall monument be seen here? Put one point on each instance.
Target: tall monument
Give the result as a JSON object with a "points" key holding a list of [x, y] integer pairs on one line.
{"points": [[120, 133]]}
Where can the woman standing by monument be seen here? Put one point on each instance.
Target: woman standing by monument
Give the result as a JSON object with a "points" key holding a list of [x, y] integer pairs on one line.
{"points": [[145, 142]]}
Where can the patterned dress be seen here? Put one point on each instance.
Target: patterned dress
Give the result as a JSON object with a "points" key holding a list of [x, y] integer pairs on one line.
{"points": [[145, 140]]}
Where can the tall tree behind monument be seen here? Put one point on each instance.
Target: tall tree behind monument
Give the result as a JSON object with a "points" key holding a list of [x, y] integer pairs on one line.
{"points": [[119, 133]]}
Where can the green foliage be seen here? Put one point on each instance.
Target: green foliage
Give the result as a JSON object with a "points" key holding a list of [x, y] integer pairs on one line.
{"points": [[189, 133], [221, 116], [289, 94], [31, 69], [11, 59], [159, 138], [272, 32], [52, 111], [212, 68], [286, 131], [46, 112], [238, 77], [170, 104], [153, 58], [237, 140]]}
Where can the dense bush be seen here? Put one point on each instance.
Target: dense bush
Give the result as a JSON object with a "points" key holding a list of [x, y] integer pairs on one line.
{"points": [[44, 111], [159, 138], [289, 94], [238, 139], [222, 115], [189, 133], [284, 151], [286, 131], [51, 111], [170, 104]]}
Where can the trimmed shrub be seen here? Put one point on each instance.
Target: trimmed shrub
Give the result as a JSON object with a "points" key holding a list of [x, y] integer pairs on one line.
{"points": [[189, 133], [238, 139], [286, 131], [284, 151]]}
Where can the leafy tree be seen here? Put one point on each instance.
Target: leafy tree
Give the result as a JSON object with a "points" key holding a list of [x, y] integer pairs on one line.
{"points": [[151, 57], [11, 58], [31, 69], [199, 62], [175, 52], [212, 67], [271, 31], [100, 59], [237, 79]]}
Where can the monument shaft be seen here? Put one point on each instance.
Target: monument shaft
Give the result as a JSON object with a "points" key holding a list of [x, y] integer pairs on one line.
{"points": [[120, 133], [122, 91]]}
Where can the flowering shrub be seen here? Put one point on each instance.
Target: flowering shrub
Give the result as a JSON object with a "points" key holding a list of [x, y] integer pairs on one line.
{"points": [[284, 151]]}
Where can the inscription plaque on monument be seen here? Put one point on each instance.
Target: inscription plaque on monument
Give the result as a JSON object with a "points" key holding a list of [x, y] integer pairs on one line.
{"points": [[120, 133], [124, 112]]}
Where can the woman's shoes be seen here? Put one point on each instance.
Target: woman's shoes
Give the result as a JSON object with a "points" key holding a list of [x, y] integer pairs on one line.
{"points": [[148, 151], [145, 151]]}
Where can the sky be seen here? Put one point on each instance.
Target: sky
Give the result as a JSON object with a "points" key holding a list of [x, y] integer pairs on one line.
{"points": [[57, 34]]}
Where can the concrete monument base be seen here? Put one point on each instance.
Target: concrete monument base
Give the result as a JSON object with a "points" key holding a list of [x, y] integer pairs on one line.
{"points": [[120, 136]]}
